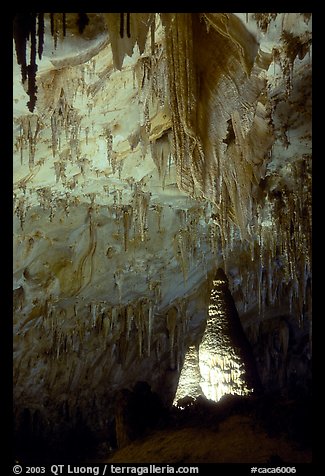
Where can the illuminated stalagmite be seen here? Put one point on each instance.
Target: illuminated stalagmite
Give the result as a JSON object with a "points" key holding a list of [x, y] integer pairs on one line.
{"points": [[224, 363], [225, 358], [150, 150]]}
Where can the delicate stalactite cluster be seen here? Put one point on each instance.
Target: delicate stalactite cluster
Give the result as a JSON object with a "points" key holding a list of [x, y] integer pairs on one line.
{"points": [[177, 326], [29, 129], [291, 46], [234, 171], [65, 119], [280, 268], [103, 333], [263, 20], [109, 148], [151, 72], [291, 239], [20, 210], [186, 241], [29, 30]]}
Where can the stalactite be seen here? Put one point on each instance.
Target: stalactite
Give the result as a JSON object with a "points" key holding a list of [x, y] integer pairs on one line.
{"points": [[139, 323], [22, 139], [213, 236], [283, 252], [155, 286], [113, 162], [21, 34], [129, 319], [152, 34], [147, 122], [54, 130], [32, 67], [23, 30], [123, 36], [20, 144], [171, 323], [181, 246], [182, 84], [128, 29], [40, 34], [150, 327], [285, 55], [127, 221], [141, 206], [65, 118], [181, 331], [64, 29], [120, 168], [52, 23], [93, 309], [158, 209], [264, 19], [160, 150], [82, 22], [118, 281], [83, 278], [106, 326], [21, 211], [35, 126], [121, 25]]}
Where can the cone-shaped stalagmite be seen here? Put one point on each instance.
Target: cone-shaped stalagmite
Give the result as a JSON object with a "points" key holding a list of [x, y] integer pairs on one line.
{"points": [[226, 360]]}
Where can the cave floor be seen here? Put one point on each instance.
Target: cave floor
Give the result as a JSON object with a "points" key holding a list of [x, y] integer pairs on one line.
{"points": [[264, 430], [236, 441], [278, 434]]}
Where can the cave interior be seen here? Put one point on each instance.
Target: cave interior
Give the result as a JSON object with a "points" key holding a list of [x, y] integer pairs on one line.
{"points": [[162, 265]]}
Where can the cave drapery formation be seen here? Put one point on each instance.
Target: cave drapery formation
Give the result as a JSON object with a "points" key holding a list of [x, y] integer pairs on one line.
{"points": [[150, 150]]}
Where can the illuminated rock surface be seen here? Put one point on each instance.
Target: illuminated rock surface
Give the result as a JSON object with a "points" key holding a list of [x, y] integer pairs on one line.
{"points": [[154, 151]]}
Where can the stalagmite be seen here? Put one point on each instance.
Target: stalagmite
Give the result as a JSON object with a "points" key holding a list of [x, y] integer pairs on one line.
{"points": [[224, 350], [188, 384]]}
